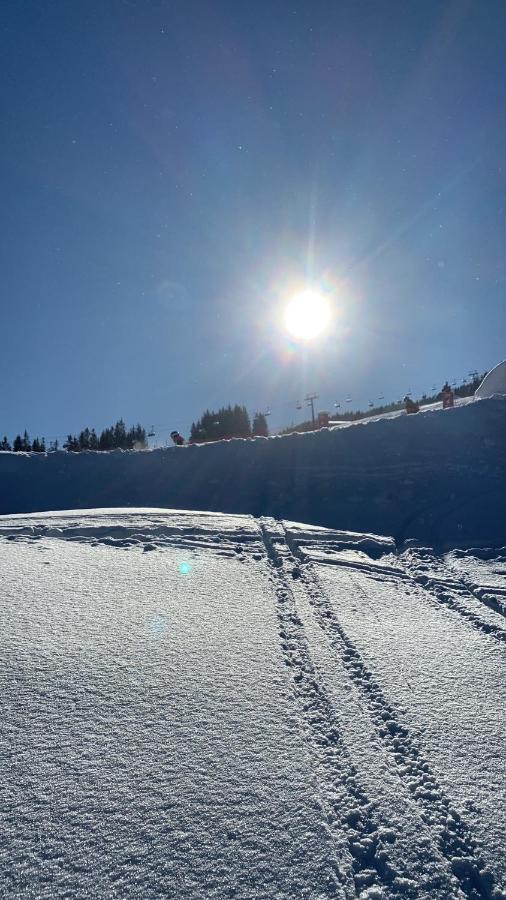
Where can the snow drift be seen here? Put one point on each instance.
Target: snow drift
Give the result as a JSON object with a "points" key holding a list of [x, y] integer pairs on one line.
{"points": [[493, 383], [436, 476]]}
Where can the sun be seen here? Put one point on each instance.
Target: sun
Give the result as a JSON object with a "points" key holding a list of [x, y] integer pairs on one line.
{"points": [[307, 315]]}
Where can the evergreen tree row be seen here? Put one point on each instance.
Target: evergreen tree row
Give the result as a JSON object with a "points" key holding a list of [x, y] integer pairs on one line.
{"points": [[227, 422], [113, 438], [24, 444]]}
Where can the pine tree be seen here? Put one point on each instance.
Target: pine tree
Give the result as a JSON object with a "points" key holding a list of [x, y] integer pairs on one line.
{"points": [[38, 446], [5, 444], [93, 440], [106, 439], [244, 423], [18, 444], [120, 437], [27, 446], [84, 439], [260, 428], [72, 444]]}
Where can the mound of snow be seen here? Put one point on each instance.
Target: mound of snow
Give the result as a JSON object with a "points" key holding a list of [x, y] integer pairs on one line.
{"points": [[437, 476], [493, 383]]}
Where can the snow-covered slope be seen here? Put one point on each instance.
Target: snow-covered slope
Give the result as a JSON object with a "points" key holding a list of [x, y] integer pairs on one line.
{"points": [[196, 705], [438, 476], [494, 382]]}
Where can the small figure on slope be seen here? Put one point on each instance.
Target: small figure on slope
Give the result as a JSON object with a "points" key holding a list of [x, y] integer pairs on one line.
{"points": [[447, 396], [411, 406], [177, 438]]}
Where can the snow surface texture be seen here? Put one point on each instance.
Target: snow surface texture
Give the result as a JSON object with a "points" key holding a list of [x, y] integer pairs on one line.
{"points": [[437, 476], [494, 382], [196, 705]]}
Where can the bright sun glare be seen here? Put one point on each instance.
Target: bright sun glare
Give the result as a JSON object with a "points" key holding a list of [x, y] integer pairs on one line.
{"points": [[307, 314]]}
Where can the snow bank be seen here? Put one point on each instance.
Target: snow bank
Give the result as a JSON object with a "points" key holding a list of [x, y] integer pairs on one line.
{"points": [[493, 383], [438, 477]]}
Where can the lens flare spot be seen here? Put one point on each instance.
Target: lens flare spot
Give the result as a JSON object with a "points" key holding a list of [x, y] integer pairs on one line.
{"points": [[184, 568], [158, 624]]}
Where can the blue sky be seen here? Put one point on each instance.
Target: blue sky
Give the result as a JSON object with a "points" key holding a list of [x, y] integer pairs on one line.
{"points": [[171, 172]]}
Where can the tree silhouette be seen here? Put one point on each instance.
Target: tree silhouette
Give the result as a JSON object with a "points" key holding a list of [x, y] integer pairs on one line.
{"points": [[260, 428]]}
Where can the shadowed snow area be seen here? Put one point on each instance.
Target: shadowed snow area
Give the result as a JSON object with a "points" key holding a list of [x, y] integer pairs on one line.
{"points": [[437, 476], [204, 705]]}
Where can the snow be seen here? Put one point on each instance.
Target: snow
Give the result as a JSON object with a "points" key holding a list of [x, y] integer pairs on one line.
{"points": [[299, 694], [493, 383], [205, 705], [437, 477]]}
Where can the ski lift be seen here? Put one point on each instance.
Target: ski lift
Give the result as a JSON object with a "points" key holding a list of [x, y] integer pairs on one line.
{"points": [[337, 405], [381, 397], [371, 404], [348, 400], [151, 432], [298, 406]]}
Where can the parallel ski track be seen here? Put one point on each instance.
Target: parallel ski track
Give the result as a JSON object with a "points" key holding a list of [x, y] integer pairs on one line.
{"points": [[448, 594], [452, 835], [349, 811], [156, 538], [487, 596]]}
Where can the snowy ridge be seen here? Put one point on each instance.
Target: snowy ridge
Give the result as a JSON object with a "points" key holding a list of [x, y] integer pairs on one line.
{"points": [[437, 476], [207, 705], [494, 382]]}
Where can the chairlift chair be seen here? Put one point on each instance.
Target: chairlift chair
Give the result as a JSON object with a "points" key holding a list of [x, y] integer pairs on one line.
{"points": [[151, 433]]}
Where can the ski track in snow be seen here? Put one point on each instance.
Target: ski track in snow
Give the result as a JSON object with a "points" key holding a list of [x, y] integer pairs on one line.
{"points": [[306, 713]]}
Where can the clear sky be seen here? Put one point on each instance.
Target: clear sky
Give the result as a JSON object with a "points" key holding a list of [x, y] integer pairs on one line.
{"points": [[173, 171]]}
